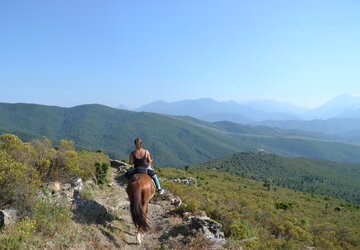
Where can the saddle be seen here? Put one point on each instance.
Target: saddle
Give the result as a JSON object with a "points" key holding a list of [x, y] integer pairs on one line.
{"points": [[131, 171]]}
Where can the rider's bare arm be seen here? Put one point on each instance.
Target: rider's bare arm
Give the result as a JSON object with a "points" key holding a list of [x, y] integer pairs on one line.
{"points": [[148, 157], [131, 159]]}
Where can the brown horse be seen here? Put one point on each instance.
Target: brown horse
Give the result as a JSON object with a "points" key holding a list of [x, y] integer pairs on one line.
{"points": [[140, 190]]}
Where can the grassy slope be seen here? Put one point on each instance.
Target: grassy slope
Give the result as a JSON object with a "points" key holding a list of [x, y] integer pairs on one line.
{"points": [[175, 141], [247, 209], [304, 174]]}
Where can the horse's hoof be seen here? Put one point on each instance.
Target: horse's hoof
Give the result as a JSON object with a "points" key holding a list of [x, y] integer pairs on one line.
{"points": [[138, 237]]}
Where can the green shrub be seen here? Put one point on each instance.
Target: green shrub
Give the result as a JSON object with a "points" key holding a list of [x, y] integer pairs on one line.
{"points": [[18, 183], [101, 172], [50, 218], [284, 205]]}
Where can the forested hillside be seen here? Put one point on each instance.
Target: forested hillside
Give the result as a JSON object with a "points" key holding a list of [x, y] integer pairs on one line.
{"points": [[173, 141], [335, 179]]}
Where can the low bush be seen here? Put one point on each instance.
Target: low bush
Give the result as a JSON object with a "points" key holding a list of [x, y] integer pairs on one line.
{"points": [[101, 172], [50, 218], [18, 183]]}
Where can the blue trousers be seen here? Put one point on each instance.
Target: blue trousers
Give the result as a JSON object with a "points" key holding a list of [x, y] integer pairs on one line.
{"points": [[155, 179]]}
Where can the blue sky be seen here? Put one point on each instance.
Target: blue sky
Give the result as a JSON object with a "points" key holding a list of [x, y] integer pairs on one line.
{"points": [[134, 52]]}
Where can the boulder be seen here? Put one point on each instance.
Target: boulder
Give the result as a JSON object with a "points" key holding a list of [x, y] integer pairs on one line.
{"points": [[8, 217], [174, 200], [77, 184], [209, 228]]}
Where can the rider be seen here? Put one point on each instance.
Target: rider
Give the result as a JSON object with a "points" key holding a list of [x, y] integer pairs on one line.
{"points": [[140, 157]]}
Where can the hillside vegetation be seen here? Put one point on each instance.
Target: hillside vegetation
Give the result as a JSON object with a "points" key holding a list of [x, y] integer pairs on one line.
{"points": [[335, 179], [280, 218], [170, 140], [25, 165], [24, 168]]}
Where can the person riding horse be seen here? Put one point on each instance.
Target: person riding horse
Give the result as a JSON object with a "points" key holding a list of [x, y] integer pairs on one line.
{"points": [[141, 188], [141, 158]]}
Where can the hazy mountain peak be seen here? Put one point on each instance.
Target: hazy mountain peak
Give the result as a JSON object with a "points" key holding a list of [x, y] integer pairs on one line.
{"points": [[158, 102], [336, 106], [344, 99]]}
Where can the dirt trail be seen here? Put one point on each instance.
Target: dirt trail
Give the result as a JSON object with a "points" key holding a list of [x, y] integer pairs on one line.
{"points": [[114, 228]]}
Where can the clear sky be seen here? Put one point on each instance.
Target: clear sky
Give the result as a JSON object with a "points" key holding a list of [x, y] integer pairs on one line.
{"points": [[72, 52]]}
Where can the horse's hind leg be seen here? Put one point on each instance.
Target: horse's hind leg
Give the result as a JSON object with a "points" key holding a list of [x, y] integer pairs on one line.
{"points": [[138, 238]]}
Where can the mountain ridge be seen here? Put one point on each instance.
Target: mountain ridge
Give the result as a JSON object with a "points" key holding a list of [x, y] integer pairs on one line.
{"points": [[173, 141], [205, 107], [258, 110]]}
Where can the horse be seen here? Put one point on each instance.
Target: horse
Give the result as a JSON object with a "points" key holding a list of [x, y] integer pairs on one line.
{"points": [[140, 190]]}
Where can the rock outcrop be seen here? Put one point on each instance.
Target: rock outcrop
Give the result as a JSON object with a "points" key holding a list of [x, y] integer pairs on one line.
{"points": [[185, 181], [68, 191], [174, 200], [119, 164], [8, 217], [209, 228]]}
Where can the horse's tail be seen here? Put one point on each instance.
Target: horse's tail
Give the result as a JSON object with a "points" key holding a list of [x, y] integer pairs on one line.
{"points": [[137, 210]]}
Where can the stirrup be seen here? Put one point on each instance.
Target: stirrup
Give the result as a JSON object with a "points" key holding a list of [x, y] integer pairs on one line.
{"points": [[161, 191]]}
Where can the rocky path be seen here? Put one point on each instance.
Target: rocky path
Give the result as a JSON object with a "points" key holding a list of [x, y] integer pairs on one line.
{"points": [[158, 216], [118, 232], [103, 221]]}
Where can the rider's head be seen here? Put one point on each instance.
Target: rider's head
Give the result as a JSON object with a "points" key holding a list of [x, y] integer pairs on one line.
{"points": [[138, 143]]}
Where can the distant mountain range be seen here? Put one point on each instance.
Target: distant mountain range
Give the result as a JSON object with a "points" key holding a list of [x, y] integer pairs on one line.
{"points": [[211, 110], [344, 106], [343, 129], [173, 141], [339, 118]]}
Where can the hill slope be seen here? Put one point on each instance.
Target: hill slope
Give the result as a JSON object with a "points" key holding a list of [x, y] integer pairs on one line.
{"points": [[175, 141], [83, 215], [335, 179], [280, 218]]}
